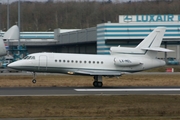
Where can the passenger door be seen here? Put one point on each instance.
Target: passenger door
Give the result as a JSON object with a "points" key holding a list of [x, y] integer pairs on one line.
{"points": [[43, 63]]}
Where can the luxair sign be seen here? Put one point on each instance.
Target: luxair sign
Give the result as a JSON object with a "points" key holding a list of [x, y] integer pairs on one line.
{"points": [[149, 18]]}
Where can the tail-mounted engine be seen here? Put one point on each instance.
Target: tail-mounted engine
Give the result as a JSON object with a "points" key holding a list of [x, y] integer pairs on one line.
{"points": [[126, 62]]}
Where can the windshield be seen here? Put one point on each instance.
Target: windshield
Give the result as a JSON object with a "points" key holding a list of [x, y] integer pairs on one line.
{"points": [[29, 57]]}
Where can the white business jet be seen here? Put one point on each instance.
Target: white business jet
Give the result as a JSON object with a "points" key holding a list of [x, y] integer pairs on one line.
{"points": [[121, 60], [12, 33]]}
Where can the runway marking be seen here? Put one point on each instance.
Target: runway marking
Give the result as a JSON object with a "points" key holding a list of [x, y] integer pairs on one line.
{"points": [[124, 90]]}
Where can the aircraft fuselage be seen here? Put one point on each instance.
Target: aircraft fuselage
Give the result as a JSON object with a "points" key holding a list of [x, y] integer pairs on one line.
{"points": [[70, 63]]}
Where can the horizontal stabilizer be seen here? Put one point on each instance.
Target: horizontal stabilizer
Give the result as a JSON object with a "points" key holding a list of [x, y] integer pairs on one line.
{"points": [[158, 49]]}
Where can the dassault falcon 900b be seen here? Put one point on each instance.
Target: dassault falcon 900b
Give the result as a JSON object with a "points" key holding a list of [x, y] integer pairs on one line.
{"points": [[121, 60]]}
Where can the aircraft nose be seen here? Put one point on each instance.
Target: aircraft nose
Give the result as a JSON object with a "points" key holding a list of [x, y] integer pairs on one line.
{"points": [[12, 65]]}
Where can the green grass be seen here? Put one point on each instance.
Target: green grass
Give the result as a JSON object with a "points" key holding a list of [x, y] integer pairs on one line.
{"points": [[130, 107]]}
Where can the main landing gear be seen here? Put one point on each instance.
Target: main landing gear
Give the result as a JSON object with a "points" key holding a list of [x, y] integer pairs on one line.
{"points": [[97, 81], [34, 78]]}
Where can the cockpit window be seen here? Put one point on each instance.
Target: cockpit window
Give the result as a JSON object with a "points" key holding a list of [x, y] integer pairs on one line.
{"points": [[29, 57], [33, 57], [25, 57]]}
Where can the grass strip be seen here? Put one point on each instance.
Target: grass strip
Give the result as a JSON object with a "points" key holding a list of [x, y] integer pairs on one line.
{"points": [[100, 107], [68, 81]]}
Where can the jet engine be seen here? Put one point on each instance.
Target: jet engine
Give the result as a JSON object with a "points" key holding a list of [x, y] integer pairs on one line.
{"points": [[123, 62]]}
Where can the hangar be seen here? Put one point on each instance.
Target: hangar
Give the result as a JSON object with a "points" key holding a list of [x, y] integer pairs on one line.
{"points": [[130, 30]]}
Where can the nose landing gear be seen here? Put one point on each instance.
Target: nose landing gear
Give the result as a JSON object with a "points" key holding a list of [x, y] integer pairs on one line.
{"points": [[34, 78], [34, 81]]}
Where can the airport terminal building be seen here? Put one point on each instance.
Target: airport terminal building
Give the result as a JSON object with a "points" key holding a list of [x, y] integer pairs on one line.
{"points": [[130, 31]]}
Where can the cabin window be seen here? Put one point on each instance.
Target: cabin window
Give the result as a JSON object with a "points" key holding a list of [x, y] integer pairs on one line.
{"points": [[55, 60], [93, 62], [101, 62], [80, 61], [89, 62], [97, 62], [76, 61], [59, 60], [64, 60], [84, 61], [72, 61], [67, 60]]}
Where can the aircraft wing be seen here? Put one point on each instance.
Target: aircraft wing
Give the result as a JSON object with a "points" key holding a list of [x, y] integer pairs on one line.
{"points": [[98, 72]]}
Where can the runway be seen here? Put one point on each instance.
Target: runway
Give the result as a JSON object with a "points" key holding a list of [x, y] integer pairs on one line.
{"points": [[75, 91]]}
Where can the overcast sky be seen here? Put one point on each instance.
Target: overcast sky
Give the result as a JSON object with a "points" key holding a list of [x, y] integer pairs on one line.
{"points": [[10, 1]]}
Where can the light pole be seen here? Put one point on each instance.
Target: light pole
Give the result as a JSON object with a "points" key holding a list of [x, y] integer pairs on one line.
{"points": [[8, 26], [0, 16], [7, 14], [19, 23]]}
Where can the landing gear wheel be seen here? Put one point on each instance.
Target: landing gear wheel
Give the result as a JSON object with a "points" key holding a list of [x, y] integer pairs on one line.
{"points": [[97, 81], [97, 84], [34, 81], [34, 78], [100, 84]]}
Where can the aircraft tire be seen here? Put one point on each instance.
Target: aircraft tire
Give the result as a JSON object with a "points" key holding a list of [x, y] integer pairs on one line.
{"points": [[100, 84], [34, 81], [97, 84]]}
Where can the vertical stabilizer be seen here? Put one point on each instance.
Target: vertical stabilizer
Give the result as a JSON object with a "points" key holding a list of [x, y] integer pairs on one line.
{"points": [[154, 39], [12, 33], [150, 45]]}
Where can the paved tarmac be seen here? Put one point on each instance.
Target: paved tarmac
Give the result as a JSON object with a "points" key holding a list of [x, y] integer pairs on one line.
{"points": [[75, 91]]}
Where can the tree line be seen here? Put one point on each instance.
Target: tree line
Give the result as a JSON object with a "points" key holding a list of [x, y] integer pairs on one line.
{"points": [[47, 16]]}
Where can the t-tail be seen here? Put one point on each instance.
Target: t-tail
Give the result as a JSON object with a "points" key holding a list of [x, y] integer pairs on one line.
{"points": [[12, 33], [149, 46]]}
